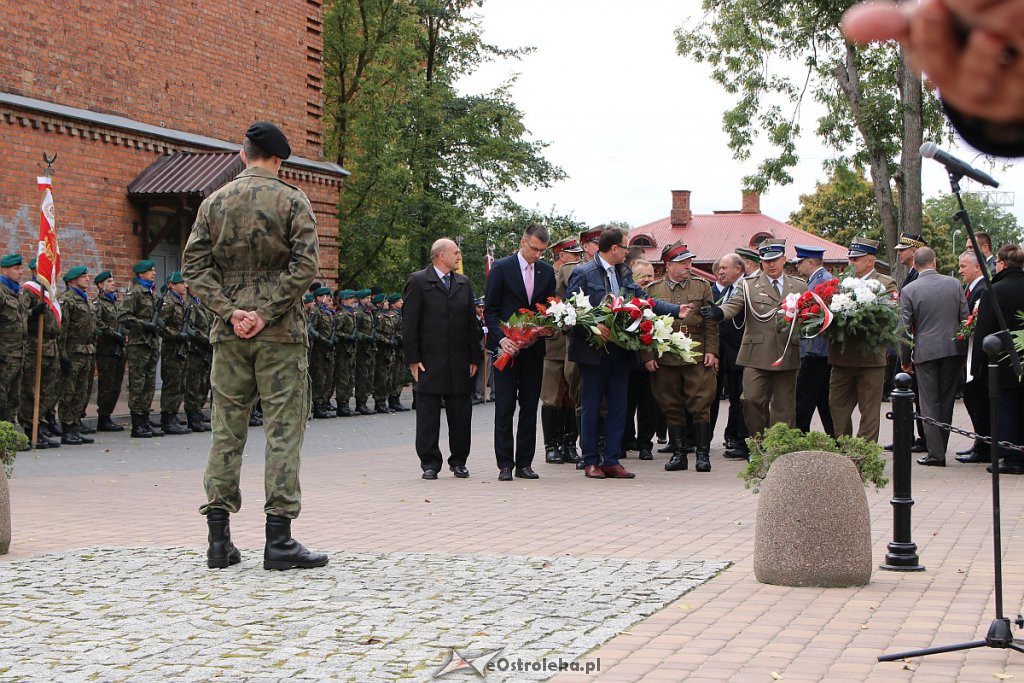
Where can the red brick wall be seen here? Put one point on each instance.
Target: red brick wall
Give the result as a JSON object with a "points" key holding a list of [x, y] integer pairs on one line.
{"points": [[210, 67], [92, 172]]}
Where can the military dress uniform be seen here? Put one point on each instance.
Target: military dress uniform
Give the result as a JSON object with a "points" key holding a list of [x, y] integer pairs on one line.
{"points": [[49, 388], [812, 381], [384, 357], [137, 314], [13, 331], [77, 357], [344, 354], [679, 386], [173, 356], [769, 391], [857, 374], [110, 357], [199, 365], [366, 351]]}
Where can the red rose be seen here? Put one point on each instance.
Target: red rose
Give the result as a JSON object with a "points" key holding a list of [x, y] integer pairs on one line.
{"points": [[650, 303], [634, 314], [646, 339], [805, 314], [524, 311], [636, 302], [646, 326], [805, 297], [815, 309], [541, 309]]}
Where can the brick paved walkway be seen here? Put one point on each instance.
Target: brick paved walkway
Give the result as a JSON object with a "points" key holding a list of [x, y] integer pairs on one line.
{"points": [[362, 494]]}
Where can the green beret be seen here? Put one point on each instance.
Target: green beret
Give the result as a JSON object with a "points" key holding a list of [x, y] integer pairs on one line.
{"points": [[323, 291], [10, 261], [307, 298], [269, 138], [346, 294], [377, 298], [363, 293], [175, 278], [77, 271], [105, 275], [143, 266], [32, 264], [394, 297]]}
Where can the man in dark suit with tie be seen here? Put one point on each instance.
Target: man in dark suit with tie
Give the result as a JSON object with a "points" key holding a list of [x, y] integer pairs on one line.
{"points": [[730, 335], [442, 348], [976, 387], [605, 372], [514, 282]]}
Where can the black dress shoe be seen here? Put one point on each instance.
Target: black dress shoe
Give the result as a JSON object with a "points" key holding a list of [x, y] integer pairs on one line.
{"points": [[1008, 468], [461, 472], [919, 447], [932, 462], [505, 474], [430, 474], [888, 448], [736, 454], [646, 454], [666, 449], [526, 473], [968, 451], [973, 457]]}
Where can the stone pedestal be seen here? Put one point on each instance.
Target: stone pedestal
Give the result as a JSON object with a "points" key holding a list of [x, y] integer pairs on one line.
{"points": [[5, 512], [813, 526]]}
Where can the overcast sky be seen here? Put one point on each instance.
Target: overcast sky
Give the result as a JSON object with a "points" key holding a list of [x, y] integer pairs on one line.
{"points": [[629, 120]]}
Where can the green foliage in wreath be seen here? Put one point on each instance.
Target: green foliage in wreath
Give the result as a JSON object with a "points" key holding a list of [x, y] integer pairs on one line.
{"points": [[780, 439]]}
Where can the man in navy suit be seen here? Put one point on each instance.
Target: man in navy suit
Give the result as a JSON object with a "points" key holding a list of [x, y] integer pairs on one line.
{"points": [[514, 282], [815, 373], [605, 372]]}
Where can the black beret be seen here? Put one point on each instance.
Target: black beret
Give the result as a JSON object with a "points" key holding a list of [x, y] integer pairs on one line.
{"points": [[269, 138]]}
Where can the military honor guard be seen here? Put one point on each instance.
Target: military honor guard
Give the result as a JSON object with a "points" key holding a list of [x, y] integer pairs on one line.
{"points": [[110, 351], [347, 334], [858, 374], [399, 371], [13, 330], [200, 364], [139, 315], [77, 354], [323, 339], [366, 350], [32, 299], [770, 356], [812, 382], [174, 323], [384, 325], [679, 386]]}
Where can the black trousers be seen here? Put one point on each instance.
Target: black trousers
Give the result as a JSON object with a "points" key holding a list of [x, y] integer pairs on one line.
{"points": [[518, 384], [459, 411], [641, 411], [731, 375], [812, 393], [976, 401]]}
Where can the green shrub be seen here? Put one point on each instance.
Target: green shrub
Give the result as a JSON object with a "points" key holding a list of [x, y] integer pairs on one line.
{"points": [[780, 439], [11, 441]]}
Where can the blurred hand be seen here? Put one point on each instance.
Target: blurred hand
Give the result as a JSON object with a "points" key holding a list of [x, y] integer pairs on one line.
{"points": [[416, 369], [604, 332], [711, 361], [473, 367], [508, 346], [651, 365]]}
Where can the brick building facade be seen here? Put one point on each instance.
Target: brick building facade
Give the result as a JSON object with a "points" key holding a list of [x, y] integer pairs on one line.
{"points": [[111, 87]]}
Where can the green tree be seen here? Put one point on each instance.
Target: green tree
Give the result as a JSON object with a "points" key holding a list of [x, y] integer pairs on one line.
{"points": [[876, 110], [840, 209], [426, 160], [940, 213]]}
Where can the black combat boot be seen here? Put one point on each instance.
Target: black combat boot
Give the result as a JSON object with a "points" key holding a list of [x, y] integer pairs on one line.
{"points": [[195, 422], [343, 410], [105, 424], [395, 402], [82, 429], [319, 412], [155, 427], [81, 435], [549, 423], [570, 434], [53, 428], [222, 552], [362, 409], [69, 437], [381, 407], [284, 552], [678, 460], [140, 427], [169, 423], [255, 419], [702, 430], [42, 443]]}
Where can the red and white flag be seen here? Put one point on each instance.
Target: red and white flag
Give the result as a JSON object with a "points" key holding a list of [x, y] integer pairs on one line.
{"points": [[48, 253], [489, 262]]}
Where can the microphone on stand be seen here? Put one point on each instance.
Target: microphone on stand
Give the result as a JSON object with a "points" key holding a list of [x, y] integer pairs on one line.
{"points": [[954, 165]]}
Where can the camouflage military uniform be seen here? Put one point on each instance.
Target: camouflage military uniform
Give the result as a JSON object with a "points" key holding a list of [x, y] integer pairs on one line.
{"points": [[77, 335], [200, 360], [13, 329], [398, 368], [321, 366], [366, 351], [384, 357], [230, 264], [49, 386], [344, 356], [136, 310], [110, 354], [173, 354]]}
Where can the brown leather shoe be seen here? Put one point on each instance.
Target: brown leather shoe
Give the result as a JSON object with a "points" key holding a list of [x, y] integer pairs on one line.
{"points": [[593, 472], [617, 472]]}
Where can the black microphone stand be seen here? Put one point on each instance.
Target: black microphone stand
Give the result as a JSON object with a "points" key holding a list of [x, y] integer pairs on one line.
{"points": [[995, 345]]}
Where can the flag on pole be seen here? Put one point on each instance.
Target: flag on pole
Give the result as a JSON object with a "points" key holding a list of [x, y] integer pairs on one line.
{"points": [[488, 262], [48, 253]]}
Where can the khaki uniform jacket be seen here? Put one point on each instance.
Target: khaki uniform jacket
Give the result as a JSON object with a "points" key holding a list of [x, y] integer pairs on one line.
{"points": [[13, 324], [558, 343], [852, 354], [693, 291], [254, 246], [763, 342], [78, 325]]}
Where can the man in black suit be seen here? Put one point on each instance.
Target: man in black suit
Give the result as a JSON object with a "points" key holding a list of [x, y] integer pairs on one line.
{"points": [[442, 348], [976, 386], [514, 282], [730, 334]]}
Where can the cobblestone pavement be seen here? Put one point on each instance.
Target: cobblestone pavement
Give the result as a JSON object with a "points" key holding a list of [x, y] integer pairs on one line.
{"points": [[158, 614]]}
